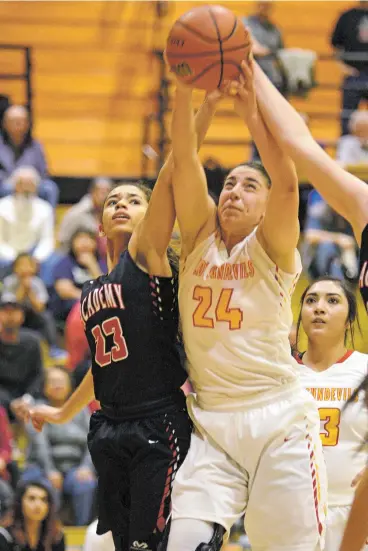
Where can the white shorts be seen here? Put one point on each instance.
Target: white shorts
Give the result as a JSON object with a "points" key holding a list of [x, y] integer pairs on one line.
{"points": [[267, 461], [335, 526]]}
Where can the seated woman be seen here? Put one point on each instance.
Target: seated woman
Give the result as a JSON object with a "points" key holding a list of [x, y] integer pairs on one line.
{"points": [[73, 270], [59, 454], [32, 522]]}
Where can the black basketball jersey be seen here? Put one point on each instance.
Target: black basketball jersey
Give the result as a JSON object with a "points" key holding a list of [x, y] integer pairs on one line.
{"points": [[363, 278], [131, 323]]}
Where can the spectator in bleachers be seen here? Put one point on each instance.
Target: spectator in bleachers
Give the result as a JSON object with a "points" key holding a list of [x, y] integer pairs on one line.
{"points": [[329, 244], [86, 214], [18, 148], [21, 368], [60, 453], [24, 286], [267, 41], [26, 222], [350, 40], [6, 492], [82, 263], [352, 149], [32, 523]]}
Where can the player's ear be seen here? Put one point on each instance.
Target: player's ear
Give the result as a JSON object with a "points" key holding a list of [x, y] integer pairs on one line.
{"points": [[101, 232]]}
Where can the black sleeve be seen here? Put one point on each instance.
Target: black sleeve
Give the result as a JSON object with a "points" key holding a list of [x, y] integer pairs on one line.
{"points": [[59, 545], [36, 372], [4, 544], [338, 36]]}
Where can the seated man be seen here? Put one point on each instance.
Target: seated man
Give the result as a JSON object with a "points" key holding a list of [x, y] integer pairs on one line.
{"points": [[26, 221], [21, 367], [18, 148], [86, 214]]}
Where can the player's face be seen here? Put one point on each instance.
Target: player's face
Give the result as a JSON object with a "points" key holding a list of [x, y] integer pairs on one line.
{"points": [[243, 199], [35, 504], [124, 208], [325, 311], [57, 385]]}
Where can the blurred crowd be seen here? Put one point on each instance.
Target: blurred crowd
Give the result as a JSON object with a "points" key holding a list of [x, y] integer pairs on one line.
{"points": [[43, 350]]}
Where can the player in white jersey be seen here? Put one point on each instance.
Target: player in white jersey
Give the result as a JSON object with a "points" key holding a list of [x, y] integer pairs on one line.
{"points": [[256, 446], [331, 373]]}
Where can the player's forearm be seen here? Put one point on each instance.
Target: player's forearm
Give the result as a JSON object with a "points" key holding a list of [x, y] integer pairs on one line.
{"points": [[202, 122], [356, 531], [279, 166], [183, 128], [203, 119], [80, 398]]}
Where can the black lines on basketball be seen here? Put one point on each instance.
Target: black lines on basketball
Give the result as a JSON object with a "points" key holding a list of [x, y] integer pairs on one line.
{"points": [[232, 30], [201, 54], [220, 46], [206, 46], [197, 33], [212, 66]]}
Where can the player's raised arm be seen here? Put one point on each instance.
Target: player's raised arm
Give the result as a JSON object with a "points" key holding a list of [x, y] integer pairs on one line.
{"points": [[344, 192], [153, 234], [279, 230], [194, 208]]}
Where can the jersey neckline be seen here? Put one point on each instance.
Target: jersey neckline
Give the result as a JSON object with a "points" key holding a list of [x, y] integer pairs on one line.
{"points": [[348, 353]]}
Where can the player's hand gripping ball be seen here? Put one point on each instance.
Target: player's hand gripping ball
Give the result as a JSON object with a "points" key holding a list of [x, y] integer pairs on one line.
{"points": [[206, 46]]}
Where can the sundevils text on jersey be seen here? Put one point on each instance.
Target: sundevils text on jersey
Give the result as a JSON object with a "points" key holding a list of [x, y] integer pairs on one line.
{"points": [[131, 323]]}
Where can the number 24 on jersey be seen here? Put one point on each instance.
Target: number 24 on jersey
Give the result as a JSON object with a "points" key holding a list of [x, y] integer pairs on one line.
{"points": [[223, 311]]}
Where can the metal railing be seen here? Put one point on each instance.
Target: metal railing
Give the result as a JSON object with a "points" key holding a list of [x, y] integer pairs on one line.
{"points": [[25, 76]]}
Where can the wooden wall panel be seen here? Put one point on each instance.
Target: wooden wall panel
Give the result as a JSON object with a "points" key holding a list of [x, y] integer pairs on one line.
{"points": [[94, 76]]}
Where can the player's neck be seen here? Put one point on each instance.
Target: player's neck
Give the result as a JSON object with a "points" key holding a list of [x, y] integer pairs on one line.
{"points": [[322, 354], [114, 251], [230, 239]]}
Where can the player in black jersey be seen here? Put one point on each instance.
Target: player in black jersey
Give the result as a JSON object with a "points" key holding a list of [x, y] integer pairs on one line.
{"points": [[141, 435], [348, 196]]}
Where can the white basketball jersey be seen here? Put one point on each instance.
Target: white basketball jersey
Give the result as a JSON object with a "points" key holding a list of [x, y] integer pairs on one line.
{"points": [[236, 317], [342, 433]]}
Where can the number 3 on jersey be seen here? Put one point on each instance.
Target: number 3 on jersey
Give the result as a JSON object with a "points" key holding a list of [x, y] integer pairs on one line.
{"points": [[223, 312], [118, 351], [330, 418]]}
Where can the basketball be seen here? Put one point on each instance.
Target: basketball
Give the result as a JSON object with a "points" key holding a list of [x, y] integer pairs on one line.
{"points": [[206, 46]]}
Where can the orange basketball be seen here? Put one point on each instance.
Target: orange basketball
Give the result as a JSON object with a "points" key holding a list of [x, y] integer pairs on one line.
{"points": [[206, 46]]}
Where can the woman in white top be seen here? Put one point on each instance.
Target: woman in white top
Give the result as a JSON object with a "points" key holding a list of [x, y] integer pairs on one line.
{"points": [[332, 372], [239, 265]]}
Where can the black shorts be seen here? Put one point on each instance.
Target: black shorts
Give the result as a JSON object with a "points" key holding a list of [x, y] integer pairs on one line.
{"points": [[136, 463]]}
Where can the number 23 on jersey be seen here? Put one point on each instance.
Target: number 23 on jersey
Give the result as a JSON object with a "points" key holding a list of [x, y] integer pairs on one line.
{"points": [[118, 350], [223, 311]]}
